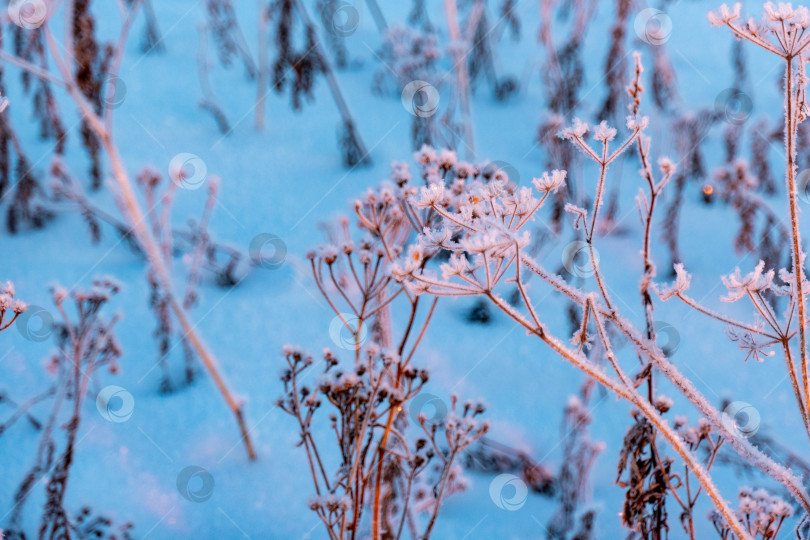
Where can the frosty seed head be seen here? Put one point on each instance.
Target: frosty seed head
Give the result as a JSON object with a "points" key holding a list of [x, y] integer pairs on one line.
{"points": [[604, 133], [679, 286], [430, 195], [7, 288], [549, 182], [425, 155], [464, 169], [578, 130], [724, 15], [446, 159], [754, 282], [637, 123]]}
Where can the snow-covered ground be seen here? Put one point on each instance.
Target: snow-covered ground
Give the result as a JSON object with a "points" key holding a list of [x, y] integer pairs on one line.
{"points": [[288, 179]]}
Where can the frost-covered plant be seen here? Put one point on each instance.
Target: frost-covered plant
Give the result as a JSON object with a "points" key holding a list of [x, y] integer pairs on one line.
{"points": [[483, 57], [688, 128], [99, 120], [159, 199], [409, 55], [19, 182], [226, 264], [650, 477], [761, 513], [781, 32], [91, 63], [297, 67], [563, 73], [483, 227], [85, 344], [492, 457], [482, 224], [616, 64], [737, 185], [10, 307], [228, 37], [384, 469], [579, 457]]}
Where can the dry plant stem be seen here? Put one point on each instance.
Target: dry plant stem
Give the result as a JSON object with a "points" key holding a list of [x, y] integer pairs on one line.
{"points": [[796, 247], [791, 369], [649, 265], [462, 78], [391, 414], [722, 318], [118, 55], [442, 485], [648, 349], [631, 395], [136, 221], [263, 67], [377, 15], [789, 52], [782, 338], [603, 161], [198, 254], [643, 347], [209, 100], [375, 518], [32, 68], [334, 88]]}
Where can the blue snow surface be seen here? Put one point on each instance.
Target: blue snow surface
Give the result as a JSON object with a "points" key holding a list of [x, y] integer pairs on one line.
{"points": [[287, 180]]}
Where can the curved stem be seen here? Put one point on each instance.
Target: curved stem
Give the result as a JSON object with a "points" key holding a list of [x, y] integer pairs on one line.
{"points": [[630, 394]]}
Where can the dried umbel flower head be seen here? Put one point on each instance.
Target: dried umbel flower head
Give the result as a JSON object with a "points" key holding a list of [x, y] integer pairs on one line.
{"points": [[755, 282], [678, 287], [549, 182]]}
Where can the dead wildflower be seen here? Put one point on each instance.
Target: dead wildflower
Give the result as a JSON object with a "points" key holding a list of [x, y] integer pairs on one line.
{"points": [[578, 460], [10, 307], [761, 513], [86, 344], [296, 69], [392, 469], [493, 246], [92, 64], [228, 37], [645, 475]]}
